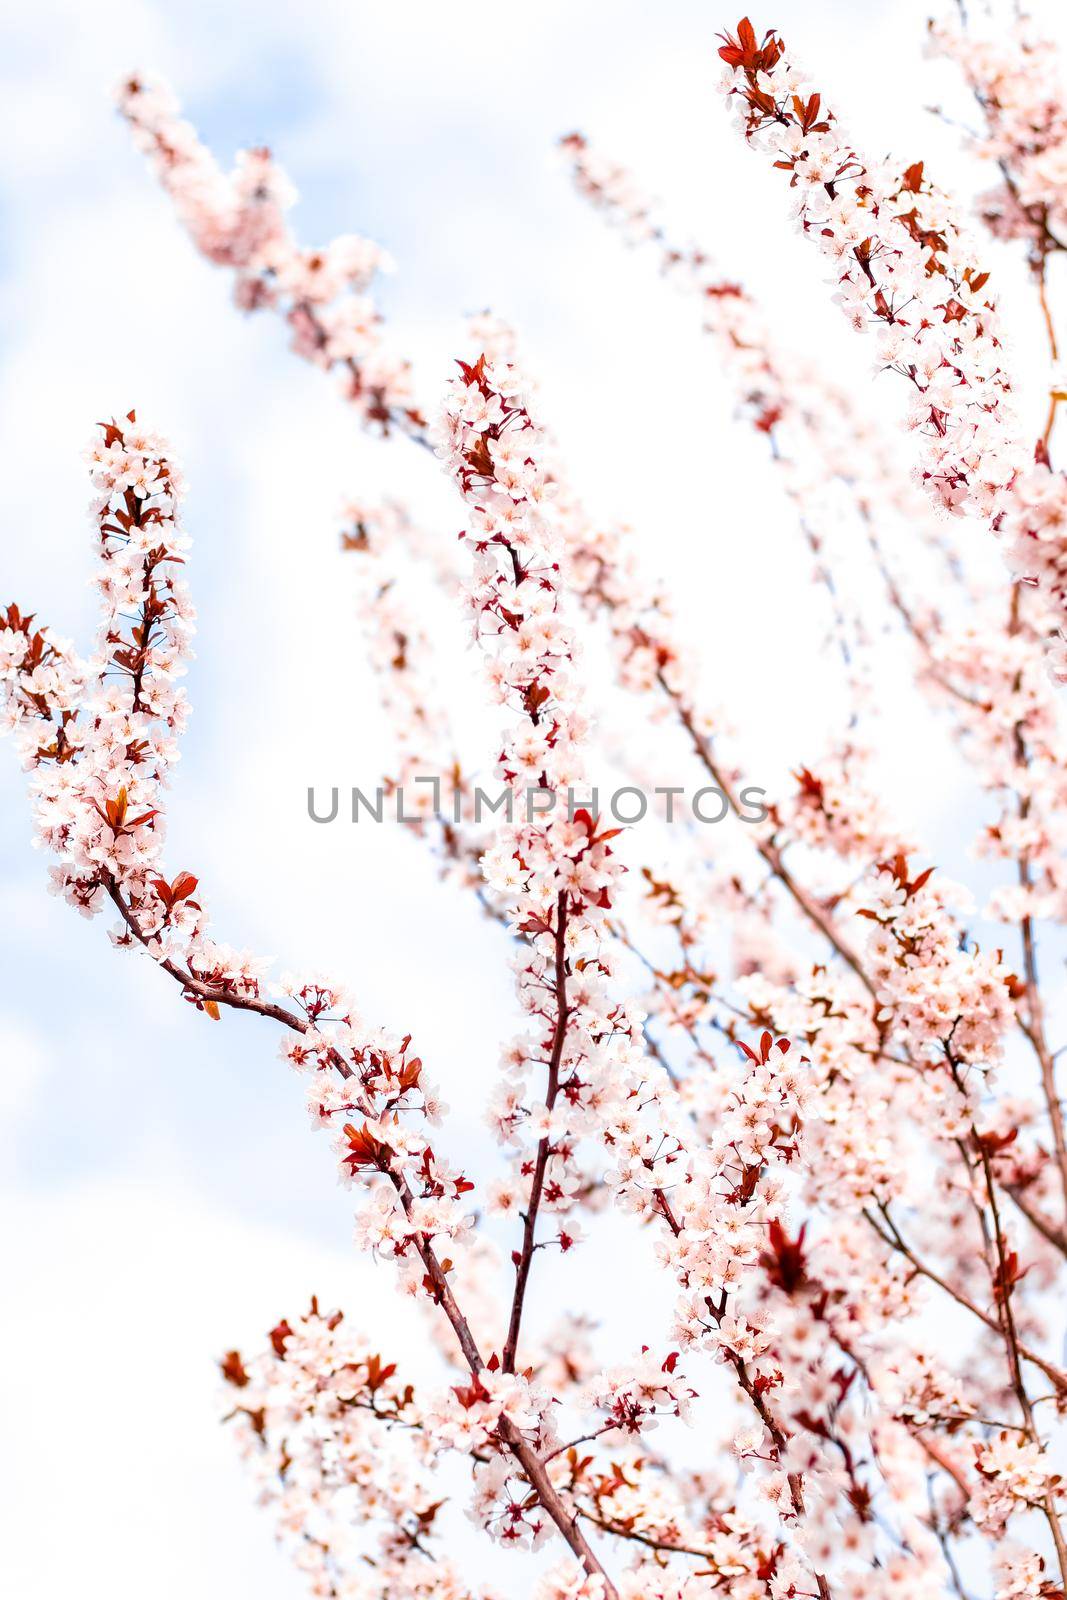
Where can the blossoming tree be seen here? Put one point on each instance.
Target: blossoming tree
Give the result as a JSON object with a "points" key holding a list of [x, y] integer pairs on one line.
{"points": [[830, 1117]]}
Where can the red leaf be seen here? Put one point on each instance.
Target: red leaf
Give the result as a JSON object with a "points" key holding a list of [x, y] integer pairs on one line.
{"points": [[279, 1336], [364, 1150], [233, 1369]]}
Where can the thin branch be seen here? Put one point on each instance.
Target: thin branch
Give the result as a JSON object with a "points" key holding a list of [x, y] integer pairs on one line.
{"points": [[526, 1251]]}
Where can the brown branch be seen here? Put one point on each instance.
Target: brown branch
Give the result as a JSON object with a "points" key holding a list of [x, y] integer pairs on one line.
{"points": [[1040, 276], [1037, 1219], [1047, 1501], [646, 1539], [895, 1241], [529, 1228], [1033, 1027]]}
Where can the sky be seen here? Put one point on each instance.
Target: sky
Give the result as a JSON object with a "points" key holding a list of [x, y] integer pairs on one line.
{"points": [[166, 1201]]}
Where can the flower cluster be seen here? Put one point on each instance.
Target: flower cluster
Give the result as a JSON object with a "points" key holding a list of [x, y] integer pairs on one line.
{"points": [[238, 220], [557, 874], [1013, 73], [833, 464], [946, 998], [901, 262], [338, 1447], [100, 736], [1010, 1469]]}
